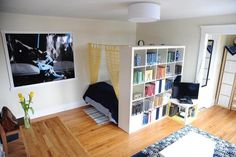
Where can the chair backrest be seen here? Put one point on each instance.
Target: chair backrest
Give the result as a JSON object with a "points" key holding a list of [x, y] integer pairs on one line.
{"points": [[4, 140]]}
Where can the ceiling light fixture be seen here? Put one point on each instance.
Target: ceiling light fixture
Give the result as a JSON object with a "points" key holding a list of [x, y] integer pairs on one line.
{"points": [[144, 12]]}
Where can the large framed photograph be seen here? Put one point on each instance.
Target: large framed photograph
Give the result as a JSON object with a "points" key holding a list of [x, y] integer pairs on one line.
{"points": [[34, 58]]}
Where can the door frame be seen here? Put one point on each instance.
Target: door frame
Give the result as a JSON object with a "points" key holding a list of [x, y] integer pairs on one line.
{"points": [[205, 32]]}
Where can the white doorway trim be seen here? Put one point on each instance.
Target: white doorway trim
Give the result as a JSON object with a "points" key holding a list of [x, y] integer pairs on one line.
{"points": [[205, 31]]}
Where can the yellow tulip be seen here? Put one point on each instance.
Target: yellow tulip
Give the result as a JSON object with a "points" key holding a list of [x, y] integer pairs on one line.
{"points": [[20, 95], [31, 94], [22, 99]]}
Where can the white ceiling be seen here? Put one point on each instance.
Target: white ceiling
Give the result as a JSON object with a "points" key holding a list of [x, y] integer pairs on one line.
{"points": [[117, 9]]}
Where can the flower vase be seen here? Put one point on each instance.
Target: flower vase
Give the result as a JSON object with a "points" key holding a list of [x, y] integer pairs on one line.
{"points": [[27, 121]]}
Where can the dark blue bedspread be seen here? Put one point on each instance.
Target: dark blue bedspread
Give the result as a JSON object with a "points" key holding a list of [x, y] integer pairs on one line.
{"points": [[104, 94]]}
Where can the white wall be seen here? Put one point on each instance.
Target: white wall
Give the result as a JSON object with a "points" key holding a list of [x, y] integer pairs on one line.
{"points": [[181, 32], [54, 97]]}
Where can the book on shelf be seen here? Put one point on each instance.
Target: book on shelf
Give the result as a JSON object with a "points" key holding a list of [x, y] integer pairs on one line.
{"points": [[137, 60], [178, 69], [137, 95], [158, 100], [160, 86], [148, 75], [161, 71], [149, 89], [171, 56], [148, 104], [145, 118], [168, 70], [169, 84], [177, 56], [157, 113], [137, 107], [138, 76], [151, 58], [164, 110]]}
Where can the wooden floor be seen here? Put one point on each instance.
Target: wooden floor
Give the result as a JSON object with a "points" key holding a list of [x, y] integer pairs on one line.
{"points": [[54, 139], [108, 140]]}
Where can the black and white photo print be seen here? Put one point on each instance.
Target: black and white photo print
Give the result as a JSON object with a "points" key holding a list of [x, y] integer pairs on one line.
{"points": [[37, 58]]}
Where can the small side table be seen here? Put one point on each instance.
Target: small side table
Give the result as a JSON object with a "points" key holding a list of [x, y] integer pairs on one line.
{"points": [[187, 118]]}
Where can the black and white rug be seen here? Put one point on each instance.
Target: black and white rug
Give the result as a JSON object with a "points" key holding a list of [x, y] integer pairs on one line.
{"points": [[222, 147], [97, 116]]}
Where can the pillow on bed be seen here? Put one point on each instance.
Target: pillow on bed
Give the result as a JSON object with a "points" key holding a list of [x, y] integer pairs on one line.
{"points": [[108, 82]]}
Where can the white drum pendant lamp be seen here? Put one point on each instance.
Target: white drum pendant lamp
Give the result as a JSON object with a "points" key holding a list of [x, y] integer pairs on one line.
{"points": [[144, 12]]}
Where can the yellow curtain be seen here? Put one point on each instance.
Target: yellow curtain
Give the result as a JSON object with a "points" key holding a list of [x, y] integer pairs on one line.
{"points": [[113, 60], [94, 61]]}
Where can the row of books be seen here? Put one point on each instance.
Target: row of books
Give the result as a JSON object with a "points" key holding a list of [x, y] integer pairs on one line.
{"points": [[151, 58], [138, 76], [160, 112], [160, 86], [148, 104], [171, 56], [137, 107]]}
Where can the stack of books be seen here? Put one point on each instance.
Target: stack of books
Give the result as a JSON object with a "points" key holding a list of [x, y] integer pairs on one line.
{"points": [[171, 56], [161, 71], [149, 89], [160, 86], [138, 76], [151, 58]]}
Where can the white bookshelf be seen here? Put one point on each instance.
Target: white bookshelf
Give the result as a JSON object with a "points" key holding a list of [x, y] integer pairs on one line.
{"points": [[142, 71]]}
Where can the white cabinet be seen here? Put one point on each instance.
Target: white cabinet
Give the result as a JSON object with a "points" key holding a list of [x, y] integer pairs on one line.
{"points": [[146, 77]]}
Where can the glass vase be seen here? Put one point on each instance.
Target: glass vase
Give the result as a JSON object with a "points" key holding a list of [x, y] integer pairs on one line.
{"points": [[27, 120]]}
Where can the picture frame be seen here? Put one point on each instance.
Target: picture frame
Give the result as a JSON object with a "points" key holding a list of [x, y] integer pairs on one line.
{"points": [[36, 58], [209, 48]]}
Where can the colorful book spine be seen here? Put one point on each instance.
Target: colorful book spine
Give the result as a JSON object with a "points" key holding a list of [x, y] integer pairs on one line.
{"points": [[145, 118], [157, 87], [157, 113]]}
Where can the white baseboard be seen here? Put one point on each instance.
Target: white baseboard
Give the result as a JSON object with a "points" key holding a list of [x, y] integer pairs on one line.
{"points": [[52, 110]]}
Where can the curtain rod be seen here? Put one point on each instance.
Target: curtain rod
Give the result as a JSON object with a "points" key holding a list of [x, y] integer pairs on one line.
{"points": [[107, 44]]}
